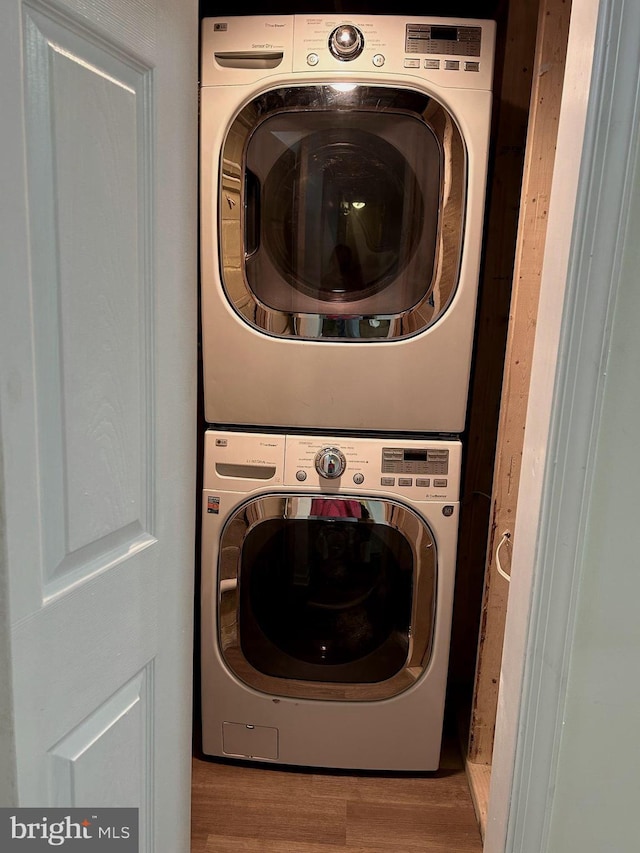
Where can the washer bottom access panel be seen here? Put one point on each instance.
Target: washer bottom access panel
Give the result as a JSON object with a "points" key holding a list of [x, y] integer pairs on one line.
{"points": [[328, 570]]}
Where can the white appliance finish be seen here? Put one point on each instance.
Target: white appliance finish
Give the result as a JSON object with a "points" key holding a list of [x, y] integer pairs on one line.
{"points": [[414, 382], [277, 720]]}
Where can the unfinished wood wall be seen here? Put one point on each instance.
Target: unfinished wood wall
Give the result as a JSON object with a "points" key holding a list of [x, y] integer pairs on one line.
{"points": [[515, 48], [553, 28]]}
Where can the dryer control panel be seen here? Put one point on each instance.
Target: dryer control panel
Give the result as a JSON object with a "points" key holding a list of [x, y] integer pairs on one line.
{"points": [[451, 52]]}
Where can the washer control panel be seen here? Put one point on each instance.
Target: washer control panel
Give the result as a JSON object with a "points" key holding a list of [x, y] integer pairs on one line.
{"points": [[416, 470], [413, 469]]}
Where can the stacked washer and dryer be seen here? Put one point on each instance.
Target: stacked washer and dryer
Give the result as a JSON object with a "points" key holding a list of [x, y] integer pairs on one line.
{"points": [[343, 171]]}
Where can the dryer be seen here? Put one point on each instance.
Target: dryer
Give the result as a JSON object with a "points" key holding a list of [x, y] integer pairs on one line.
{"points": [[327, 583], [343, 169]]}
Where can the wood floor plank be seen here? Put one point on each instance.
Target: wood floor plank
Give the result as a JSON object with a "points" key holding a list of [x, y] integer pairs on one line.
{"points": [[220, 844], [271, 816], [262, 780], [240, 808], [410, 828], [444, 789], [198, 840]]}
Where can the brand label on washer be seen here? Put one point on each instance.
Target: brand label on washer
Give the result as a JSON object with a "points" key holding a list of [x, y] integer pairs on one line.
{"points": [[213, 504]]}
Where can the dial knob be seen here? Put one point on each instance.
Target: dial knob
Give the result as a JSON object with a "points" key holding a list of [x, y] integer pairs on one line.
{"points": [[330, 463], [346, 42]]}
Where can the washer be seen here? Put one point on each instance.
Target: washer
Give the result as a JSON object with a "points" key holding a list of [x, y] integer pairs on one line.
{"points": [[343, 169], [327, 583]]}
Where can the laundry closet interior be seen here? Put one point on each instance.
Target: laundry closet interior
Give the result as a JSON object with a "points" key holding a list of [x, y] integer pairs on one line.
{"points": [[366, 357]]}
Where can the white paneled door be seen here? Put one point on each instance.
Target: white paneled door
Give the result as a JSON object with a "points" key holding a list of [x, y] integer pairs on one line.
{"points": [[98, 100]]}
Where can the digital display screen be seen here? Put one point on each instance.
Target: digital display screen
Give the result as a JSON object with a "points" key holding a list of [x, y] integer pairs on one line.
{"points": [[445, 33], [415, 455]]}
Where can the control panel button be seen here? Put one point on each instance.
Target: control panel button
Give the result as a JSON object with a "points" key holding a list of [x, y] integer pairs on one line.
{"points": [[432, 64], [387, 481], [451, 65], [358, 479], [472, 66], [440, 484], [301, 476], [378, 60], [313, 59], [423, 483], [405, 481], [412, 63]]}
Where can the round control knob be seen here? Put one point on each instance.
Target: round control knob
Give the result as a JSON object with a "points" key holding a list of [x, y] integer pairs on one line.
{"points": [[330, 463], [346, 42]]}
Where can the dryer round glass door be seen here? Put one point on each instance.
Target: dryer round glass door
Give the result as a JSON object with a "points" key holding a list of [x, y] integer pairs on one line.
{"points": [[341, 213], [327, 596], [352, 211]]}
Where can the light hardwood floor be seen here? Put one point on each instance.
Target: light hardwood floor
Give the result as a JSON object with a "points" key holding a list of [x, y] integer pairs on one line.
{"points": [[248, 809]]}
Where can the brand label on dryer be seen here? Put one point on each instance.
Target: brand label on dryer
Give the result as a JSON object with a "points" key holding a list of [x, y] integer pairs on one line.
{"points": [[213, 505]]}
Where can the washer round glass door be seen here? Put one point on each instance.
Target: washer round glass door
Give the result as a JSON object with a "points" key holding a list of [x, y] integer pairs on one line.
{"points": [[351, 212], [326, 597]]}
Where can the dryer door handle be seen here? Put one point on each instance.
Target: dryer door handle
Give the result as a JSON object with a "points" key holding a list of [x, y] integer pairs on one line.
{"points": [[251, 213]]}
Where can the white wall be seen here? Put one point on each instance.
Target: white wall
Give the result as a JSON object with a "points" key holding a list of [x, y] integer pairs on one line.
{"points": [[565, 767], [597, 795]]}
